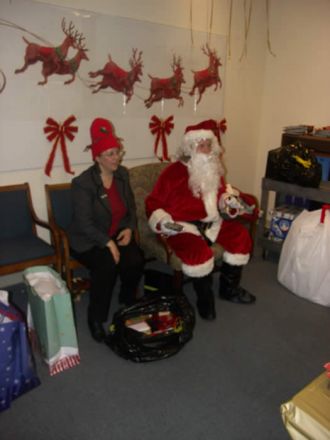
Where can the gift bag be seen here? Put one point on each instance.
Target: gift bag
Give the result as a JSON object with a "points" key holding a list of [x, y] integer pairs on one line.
{"points": [[17, 372], [304, 266], [50, 318]]}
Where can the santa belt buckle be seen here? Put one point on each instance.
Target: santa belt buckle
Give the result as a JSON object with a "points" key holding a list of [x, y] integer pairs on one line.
{"points": [[202, 226]]}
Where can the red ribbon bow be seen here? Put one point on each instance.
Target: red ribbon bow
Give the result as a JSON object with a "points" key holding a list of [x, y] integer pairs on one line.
{"points": [[161, 127], [222, 128], [59, 132]]}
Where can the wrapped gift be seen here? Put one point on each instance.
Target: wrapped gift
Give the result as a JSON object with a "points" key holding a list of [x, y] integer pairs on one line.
{"points": [[50, 318], [282, 218], [307, 414], [17, 372]]}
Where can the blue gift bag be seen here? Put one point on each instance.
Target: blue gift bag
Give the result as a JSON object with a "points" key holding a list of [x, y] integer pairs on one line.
{"points": [[17, 372]]}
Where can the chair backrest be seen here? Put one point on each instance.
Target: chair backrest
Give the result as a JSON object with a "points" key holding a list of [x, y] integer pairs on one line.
{"points": [[59, 204], [143, 179], [16, 218]]}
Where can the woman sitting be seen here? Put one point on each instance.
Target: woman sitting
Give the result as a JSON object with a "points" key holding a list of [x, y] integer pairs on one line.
{"points": [[104, 218]]}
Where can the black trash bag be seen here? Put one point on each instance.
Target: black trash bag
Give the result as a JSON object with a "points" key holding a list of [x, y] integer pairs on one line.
{"points": [[294, 163], [152, 329]]}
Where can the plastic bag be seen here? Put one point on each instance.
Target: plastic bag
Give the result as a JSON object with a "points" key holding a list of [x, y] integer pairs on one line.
{"points": [[153, 329], [17, 371], [304, 266], [294, 164]]}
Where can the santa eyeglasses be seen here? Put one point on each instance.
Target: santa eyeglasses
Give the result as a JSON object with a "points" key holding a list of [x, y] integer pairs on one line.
{"points": [[203, 142]]}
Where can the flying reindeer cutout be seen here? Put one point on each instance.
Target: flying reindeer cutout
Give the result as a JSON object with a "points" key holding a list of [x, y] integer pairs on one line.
{"points": [[52, 58], [66, 67], [209, 76], [167, 88], [117, 78]]}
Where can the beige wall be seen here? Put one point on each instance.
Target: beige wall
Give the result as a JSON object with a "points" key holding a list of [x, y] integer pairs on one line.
{"points": [[262, 93], [296, 83]]}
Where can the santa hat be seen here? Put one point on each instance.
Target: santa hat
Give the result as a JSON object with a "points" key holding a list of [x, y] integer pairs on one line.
{"points": [[204, 130], [103, 137]]}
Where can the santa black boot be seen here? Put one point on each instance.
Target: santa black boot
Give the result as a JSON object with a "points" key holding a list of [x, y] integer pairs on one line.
{"points": [[230, 289], [205, 298]]}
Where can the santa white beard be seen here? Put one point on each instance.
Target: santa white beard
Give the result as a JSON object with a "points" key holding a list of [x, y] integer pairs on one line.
{"points": [[205, 171]]}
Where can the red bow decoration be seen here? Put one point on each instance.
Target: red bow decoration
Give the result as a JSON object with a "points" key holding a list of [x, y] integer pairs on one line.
{"points": [[59, 132], [161, 127], [222, 128]]}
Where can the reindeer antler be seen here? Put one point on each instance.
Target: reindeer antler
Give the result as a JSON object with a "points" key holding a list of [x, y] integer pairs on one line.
{"points": [[79, 43], [135, 60], [73, 33], [176, 62], [69, 31]]}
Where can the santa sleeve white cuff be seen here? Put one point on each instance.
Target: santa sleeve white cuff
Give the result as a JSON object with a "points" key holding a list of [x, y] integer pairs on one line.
{"points": [[157, 217]]}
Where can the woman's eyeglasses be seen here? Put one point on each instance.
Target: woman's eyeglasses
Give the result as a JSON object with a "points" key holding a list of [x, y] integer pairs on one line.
{"points": [[113, 153]]}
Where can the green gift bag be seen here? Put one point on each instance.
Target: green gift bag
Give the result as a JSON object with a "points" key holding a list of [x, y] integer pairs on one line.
{"points": [[50, 318]]}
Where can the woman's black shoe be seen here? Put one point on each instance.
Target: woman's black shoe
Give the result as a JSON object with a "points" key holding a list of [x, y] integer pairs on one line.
{"points": [[206, 310], [97, 330]]}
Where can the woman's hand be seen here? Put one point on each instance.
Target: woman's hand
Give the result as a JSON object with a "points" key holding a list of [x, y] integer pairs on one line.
{"points": [[124, 237], [111, 245]]}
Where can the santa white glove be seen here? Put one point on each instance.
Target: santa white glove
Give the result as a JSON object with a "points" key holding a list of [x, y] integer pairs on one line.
{"points": [[231, 205]]}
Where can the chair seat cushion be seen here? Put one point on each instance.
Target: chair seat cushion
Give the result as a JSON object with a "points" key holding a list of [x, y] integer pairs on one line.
{"points": [[23, 249]]}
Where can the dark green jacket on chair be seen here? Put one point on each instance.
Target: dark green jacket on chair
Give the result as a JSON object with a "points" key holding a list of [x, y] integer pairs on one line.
{"points": [[91, 211]]}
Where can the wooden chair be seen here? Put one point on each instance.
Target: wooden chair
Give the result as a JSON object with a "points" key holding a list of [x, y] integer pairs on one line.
{"points": [[20, 246], [59, 208]]}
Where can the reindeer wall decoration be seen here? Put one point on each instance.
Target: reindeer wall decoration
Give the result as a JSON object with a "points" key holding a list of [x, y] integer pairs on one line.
{"points": [[66, 67], [167, 88], [54, 61], [209, 76], [117, 78], [54, 58]]}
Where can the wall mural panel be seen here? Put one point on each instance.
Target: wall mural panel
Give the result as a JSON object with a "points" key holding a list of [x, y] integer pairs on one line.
{"points": [[59, 62]]}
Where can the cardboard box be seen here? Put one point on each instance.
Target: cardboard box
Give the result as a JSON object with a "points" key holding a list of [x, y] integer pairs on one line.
{"points": [[307, 414]]}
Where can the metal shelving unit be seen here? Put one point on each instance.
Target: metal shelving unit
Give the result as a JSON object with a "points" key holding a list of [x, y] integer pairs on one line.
{"points": [[321, 194]]}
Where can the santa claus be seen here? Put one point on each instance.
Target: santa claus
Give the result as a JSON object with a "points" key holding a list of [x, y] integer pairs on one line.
{"points": [[193, 207]]}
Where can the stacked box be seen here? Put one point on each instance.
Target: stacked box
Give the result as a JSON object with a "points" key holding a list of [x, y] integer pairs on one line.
{"points": [[281, 219]]}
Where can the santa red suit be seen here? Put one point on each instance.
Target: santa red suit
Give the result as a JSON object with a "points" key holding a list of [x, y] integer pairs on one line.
{"points": [[192, 195], [172, 200]]}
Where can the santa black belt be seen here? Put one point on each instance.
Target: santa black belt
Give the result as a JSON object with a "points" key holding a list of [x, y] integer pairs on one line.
{"points": [[202, 228]]}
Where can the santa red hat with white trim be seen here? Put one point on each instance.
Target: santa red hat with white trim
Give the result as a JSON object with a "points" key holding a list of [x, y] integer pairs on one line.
{"points": [[195, 133]]}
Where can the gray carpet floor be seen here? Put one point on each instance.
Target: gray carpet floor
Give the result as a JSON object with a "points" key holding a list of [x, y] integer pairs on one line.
{"points": [[227, 383]]}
